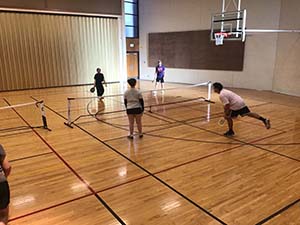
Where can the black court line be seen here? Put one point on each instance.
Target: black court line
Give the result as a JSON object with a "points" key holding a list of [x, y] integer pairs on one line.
{"points": [[256, 124], [175, 124], [207, 156], [152, 175], [156, 117], [163, 127], [31, 157], [247, 143], [122, 184], [120, 125], [70, 168], [278, 212], [145, 170], [193, 140], [219, 142]]}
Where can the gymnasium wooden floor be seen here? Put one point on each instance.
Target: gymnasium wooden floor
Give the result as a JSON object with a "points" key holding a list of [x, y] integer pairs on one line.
{"points": [[182, 172]]}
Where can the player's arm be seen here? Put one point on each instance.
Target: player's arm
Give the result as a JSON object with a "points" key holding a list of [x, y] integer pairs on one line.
{"points": [[125, 98], [227, 111], [6, 167], [141, 100]]}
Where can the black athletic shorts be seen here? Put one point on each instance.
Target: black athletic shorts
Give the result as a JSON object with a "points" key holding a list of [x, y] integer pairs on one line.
{"points": [[241, 112], [134, 111], [161, 80], [4, 195]]}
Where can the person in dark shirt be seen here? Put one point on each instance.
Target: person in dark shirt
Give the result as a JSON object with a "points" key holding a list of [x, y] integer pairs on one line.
{"points": [[5, 169], [159, 74], [98, 83]]}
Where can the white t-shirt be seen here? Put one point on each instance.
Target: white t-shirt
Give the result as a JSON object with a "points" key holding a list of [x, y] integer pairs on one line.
{"points": [[133, 96], [235, 101]]}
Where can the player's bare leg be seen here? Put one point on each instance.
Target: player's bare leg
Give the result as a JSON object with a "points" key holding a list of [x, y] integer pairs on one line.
{"points": [[266, 122], [230, 132]]}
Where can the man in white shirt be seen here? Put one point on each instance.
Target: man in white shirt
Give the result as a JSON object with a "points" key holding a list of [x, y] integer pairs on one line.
{"points": [[234, 106]]}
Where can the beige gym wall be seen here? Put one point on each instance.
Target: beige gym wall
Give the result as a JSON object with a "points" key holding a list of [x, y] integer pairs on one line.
{"points": [[178, 15], [113, 7], [40, 50], [287, 69]]}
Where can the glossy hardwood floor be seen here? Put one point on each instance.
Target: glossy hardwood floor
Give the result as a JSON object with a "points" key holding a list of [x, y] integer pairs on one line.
{"points": [[183, 171]]}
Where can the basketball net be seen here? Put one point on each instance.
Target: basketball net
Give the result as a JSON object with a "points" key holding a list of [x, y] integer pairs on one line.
{"points": [[219, 37]]}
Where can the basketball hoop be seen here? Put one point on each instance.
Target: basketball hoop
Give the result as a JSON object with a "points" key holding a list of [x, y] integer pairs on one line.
{"points": [[219, 37]]}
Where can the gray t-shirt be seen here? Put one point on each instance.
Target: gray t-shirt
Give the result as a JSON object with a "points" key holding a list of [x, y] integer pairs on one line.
{"points": [[133, 97], [2, 157]]}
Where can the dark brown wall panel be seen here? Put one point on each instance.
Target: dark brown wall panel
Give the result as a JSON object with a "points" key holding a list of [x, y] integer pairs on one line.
{"points": [[194, 50], [91, 6], [26, 4]]}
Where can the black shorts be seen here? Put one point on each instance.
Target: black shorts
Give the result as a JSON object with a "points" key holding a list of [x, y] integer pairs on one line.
{"points": [[161, 80], [4, 195], [134, 111], [241, 112]]}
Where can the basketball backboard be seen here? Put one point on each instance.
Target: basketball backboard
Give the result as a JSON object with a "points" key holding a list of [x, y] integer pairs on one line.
{"points": [[233, 24]]}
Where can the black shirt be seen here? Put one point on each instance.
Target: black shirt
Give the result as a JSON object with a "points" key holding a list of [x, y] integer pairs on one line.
{"points": [[2, 157], [99, 77]]}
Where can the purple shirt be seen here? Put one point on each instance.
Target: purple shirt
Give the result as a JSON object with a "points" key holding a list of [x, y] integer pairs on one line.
{"points": [[160, 71]]}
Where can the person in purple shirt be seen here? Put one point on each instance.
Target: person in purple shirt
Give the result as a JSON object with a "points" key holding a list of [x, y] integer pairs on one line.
{"points": [[159, 75]]}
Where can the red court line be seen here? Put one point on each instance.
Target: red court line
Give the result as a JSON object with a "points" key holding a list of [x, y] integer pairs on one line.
{"points": [[145, 170], [241, 141], [70, 168], [225, 150], [122, 184], [75, 199], [214, 154], [50, 207], [198, 159]]}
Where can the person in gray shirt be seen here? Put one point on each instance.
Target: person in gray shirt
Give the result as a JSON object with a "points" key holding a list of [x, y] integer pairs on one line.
{"points": [[134, 104]]}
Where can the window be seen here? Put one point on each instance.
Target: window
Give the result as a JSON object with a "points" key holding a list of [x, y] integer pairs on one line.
{"points": [[131, 18]]}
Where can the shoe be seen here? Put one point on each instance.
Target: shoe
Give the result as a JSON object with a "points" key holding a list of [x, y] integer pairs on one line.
{"points": [[130, 137], [267, 123], [141, 135], [154, 93], [162, 91], [229, 133]]}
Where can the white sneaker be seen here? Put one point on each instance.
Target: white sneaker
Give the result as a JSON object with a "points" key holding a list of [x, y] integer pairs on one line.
{"points": [[154, 93]]}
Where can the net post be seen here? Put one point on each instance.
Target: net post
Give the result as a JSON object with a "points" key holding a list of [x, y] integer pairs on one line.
{"points": [[223, 10], [244, 26], [238, 16], [69, 122], [209, 90], [44, 119]]}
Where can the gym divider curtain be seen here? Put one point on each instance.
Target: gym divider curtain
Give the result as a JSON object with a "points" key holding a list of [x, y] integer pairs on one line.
{"points": [[43, 50]]}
